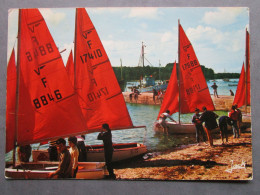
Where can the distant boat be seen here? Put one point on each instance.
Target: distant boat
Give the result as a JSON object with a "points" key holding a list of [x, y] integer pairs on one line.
{"points": [[232, 85], [187, 89], [226, 79]]}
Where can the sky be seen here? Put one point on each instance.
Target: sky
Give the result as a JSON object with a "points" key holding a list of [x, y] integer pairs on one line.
{"points": [[217, 34]]}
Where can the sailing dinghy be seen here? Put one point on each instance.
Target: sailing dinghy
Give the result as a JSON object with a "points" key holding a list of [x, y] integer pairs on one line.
{"points": [[187, 88], [243, 92], [45, 105], [100, 97]]}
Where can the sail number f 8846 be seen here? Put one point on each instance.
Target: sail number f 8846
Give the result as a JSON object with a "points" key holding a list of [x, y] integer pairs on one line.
{"points": [[46, 99]]}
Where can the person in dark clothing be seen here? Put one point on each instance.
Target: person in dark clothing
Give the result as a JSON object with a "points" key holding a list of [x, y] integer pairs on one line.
{"points": [[24, 153], [52, 150], [198, 125], [231, 92], [82, 148], [155, 93], [214, 86], [223, 122], [106, 136], [209, 118], [65, 165]]}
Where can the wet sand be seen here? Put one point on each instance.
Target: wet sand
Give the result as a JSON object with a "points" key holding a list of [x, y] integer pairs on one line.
{"points": [[232, 161]]}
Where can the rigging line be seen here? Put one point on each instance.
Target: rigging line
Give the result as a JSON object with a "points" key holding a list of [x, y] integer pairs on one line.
{"points": [[148, 61]]}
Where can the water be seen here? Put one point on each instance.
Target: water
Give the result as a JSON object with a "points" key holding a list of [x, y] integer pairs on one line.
{"points": [[145, 115]]}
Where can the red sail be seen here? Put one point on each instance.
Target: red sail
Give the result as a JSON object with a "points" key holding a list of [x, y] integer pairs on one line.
{"points": [[171, 97], [240, 93], [70, 68], [248, 89], [100, 96], [48, 106], [10, 103], [193, 86]]}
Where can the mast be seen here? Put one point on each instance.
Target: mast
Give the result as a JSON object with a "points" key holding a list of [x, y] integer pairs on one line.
{"points": [[247, 63], [17, 85], [75, 48], [178, 72], [159, 71]]}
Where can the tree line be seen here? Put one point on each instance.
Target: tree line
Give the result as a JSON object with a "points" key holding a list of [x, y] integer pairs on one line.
{"points": [[164, 73]]}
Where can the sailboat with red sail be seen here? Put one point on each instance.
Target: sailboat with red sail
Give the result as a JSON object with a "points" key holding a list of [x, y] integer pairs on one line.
{"points": [[46, 105], [99, 94], [243, 92], [187, 88]]}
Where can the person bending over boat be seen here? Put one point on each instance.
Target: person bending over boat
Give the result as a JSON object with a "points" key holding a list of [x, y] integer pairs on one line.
{"points": [[106, 136], [162, 120], [198, 125], [209, 118], [223, 121], [65, 165], [74, 154]]}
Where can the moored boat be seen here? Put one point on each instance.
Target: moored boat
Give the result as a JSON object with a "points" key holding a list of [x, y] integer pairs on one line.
{"points": [[95, 153], [41, 169]]}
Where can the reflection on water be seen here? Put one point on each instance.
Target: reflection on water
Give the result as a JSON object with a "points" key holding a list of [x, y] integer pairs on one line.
{"points": [[142, 115]]}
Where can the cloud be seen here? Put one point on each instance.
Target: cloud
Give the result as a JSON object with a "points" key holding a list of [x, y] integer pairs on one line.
{"points": [[52, 17], [229, 41], [223, 16], [144, 12]]}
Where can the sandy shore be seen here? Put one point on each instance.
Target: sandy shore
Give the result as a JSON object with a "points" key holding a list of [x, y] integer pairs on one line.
{"points": [[232, 161]]}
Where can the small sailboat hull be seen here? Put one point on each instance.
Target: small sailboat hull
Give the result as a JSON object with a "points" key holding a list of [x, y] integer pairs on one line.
{"points": [[95, 153], [174, 128], [40, 170]]}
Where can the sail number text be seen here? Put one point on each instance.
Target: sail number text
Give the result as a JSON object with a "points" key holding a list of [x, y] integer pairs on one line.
{"points": [[193, 89], [98, 94], [190, 64], [46, 99], [42, 50], [94, 55]]}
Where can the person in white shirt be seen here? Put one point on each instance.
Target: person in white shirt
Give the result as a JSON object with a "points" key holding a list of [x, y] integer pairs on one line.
{"points": [[162, 120], [74, 153]]}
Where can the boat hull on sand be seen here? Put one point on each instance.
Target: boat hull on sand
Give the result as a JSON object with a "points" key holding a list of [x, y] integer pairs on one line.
{"points": [[95, 153], [40, 170]]}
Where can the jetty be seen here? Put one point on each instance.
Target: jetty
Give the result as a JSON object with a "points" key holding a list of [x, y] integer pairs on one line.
{"points": [[224, 102]]}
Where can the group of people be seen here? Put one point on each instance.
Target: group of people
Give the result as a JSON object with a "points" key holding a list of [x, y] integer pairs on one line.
{"points": [[68, 159], [234, 119], [159, 94], [210, 119]]}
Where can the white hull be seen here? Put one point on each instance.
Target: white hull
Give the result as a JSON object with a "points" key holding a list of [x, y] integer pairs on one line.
{"points": [[174, 128], [40, 170], [95, 153]]}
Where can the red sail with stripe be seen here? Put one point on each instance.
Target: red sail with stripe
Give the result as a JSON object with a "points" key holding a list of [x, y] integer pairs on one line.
{"points": [[10, 103], [240, 93], [171, 97], [100, 96], [193, 85], [70, 68], [48, 105], [248, 89]]}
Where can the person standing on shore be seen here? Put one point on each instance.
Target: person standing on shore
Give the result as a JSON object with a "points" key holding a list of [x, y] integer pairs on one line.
{"points": [[74, 153], [239, 122], [106, 136], [223, 122], [198, 125], [209, 118], [234, 115], [162, 120], [215, 87], [65, 165]]}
